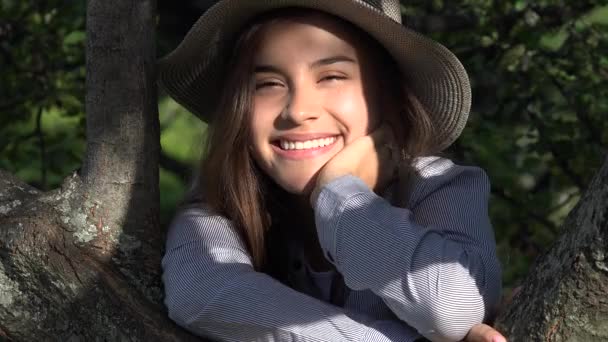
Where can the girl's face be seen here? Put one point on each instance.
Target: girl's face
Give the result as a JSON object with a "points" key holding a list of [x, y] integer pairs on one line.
{"points": [[313, 96]]}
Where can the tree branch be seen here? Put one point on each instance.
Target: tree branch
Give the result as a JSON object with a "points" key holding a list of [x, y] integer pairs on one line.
{"points": [[569, 278]]}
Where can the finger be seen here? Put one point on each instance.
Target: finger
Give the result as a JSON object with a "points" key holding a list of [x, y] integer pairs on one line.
{"points": [[484, 333], [478, 333]]}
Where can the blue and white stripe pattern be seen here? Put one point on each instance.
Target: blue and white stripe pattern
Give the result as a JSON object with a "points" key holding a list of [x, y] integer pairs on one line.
{"points": [[429, 269]]}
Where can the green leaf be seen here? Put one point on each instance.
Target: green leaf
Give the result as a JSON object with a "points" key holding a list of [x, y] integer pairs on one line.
{"points": [[512, 58], [554, 41], [598, 15], [74, 37], [520, 5]]}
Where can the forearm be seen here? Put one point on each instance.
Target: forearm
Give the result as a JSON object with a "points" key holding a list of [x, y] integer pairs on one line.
{"points": [[215, 292], [440, 281], [242, 311]]}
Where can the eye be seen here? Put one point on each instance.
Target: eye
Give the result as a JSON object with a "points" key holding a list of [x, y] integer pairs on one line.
{"points": [[332, 77], [268, 84]]}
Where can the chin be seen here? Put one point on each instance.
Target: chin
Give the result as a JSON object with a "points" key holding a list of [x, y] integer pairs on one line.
{"points": [[297, 185]]}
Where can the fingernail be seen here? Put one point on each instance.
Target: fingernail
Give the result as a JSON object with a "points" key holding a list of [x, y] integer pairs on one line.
{"points": [[498, 339]]}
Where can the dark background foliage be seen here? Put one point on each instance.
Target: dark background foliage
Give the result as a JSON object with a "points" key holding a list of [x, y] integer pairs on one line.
{"points": [[539, 71]]}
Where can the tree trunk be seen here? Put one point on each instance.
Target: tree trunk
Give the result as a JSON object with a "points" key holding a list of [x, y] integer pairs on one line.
{"points": [[83, 262], [565, 297]]}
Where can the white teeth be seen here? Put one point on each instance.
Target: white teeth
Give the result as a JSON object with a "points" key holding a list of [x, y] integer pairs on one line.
{"points": [[305, 145]]}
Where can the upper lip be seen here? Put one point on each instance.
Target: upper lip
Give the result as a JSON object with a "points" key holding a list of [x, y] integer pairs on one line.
{"points": [[304, 136]]}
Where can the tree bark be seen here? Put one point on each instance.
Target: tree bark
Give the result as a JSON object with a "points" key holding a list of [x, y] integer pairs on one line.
{"points": [[565, 297], [83, 261], [120, 171]]}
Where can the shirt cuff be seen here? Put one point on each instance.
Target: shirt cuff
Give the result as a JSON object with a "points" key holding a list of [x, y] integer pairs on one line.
{"points": [[329, 207]]}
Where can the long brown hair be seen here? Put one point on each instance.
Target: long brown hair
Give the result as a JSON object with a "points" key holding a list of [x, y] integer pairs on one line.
{"points": [[230, 182]]}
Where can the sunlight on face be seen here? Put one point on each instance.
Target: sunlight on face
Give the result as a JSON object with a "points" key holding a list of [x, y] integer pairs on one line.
{"points": [[312, 98]]}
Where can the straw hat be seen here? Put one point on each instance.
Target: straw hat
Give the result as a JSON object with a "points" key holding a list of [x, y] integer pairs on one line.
{"points": [[193, 72]]}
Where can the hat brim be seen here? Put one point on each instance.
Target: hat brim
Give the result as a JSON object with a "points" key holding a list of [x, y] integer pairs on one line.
{"points": [[192, 73]]}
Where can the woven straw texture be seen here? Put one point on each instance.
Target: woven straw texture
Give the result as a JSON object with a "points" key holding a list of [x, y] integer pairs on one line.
{"points": [[193, 72]]}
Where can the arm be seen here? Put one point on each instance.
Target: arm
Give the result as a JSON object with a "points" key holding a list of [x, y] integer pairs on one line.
{"points": [[435, 264], [212, 290]]}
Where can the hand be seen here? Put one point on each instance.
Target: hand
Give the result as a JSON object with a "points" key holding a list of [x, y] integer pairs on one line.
{"points": [[484, 333], [369, 157]]}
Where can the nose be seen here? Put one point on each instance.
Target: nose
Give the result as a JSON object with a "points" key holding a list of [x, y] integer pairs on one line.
{"points": [[302, 105]]}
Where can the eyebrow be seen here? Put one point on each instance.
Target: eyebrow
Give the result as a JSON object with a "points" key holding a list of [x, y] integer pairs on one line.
{"points": [[332, 60], [316, 64], [267, 68]]}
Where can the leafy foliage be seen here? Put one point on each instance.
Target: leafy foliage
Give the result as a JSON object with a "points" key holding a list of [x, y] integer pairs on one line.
{"points": [[538, 69], [41, 88], [539, 72]]}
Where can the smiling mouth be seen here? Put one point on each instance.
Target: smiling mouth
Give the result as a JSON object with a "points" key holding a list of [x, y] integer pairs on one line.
{"points": [[289, 145]]}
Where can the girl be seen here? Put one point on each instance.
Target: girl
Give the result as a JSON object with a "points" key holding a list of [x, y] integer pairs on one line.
{"points": [[319, 214]]}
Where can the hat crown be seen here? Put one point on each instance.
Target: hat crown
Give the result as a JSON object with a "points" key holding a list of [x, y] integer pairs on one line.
{"points": [[390, 8]]}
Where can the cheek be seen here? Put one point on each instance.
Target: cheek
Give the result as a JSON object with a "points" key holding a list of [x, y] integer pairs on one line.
{"points": [[262, 120], [353, 111], [266, 110]]}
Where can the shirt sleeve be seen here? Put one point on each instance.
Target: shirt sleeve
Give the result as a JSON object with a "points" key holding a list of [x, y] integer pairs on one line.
{"points": [[212, 290], [434, 263]]}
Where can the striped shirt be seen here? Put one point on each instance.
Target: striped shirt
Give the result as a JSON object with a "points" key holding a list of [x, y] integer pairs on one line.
{"points": [[427, 270]]}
